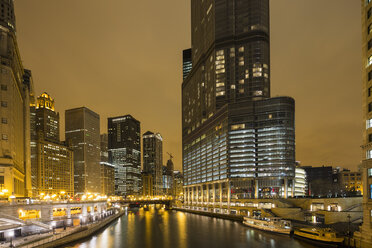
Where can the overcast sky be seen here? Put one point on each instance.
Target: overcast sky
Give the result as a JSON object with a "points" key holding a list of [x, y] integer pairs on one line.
{"points": [[122, 57]]}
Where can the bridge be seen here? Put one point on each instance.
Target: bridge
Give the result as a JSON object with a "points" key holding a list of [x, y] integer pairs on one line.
{"points": [[143, 202]]}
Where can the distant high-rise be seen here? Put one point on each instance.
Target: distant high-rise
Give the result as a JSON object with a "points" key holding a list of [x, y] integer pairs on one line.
{"points": [[15, 92], [153, 160], [107, 169], [187, 62], [46, 118], [236, 139], [124, 150], [82, 132], [366, 229], [52, 164]]}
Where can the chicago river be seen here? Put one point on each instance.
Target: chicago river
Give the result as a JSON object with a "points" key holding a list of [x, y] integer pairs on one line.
{"points": [[173, 229]]}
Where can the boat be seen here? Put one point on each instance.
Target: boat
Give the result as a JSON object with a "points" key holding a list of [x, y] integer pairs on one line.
{"points": [[319, 235], [272, 224]]}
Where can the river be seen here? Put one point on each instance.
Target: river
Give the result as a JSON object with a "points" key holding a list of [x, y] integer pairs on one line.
{"points": [[172, 229]]}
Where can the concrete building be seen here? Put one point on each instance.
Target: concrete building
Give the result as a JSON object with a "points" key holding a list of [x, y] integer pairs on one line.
{"points": [[124, 150], [351, 181], [153, 159], [300, 182], [82, 132], [178, 185], [107, 169], [168, 178], [15, 93], [238, 143]]}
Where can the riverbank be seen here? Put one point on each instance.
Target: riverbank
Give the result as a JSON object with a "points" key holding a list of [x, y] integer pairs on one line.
{"points": [[69, 236], [232, 217]]}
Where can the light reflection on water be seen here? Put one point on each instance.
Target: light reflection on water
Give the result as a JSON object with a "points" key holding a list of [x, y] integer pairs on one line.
{"points": [[171, 229]]}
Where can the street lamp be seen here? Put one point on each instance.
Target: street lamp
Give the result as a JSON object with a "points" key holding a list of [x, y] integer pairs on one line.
{"points": [[11, 235], [54, 227]]}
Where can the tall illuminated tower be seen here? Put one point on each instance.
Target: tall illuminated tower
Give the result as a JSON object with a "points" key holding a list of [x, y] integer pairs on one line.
{"points": [[238, 143], [366, 229], [15, 163]]}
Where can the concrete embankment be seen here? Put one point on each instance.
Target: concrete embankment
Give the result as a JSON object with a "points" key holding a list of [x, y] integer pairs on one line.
{"points": [[81, 233], [232, 217]]}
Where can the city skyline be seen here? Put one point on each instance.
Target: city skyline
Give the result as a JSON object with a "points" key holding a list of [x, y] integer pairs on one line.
{"points": [[330, 113]]}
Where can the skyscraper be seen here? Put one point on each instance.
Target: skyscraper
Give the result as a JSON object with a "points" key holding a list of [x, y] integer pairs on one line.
{"points": [[15, 95], [124, 150], [366, 229], [186, 63], [52, 165], [82, 131], [237, 141], [153, 160]]}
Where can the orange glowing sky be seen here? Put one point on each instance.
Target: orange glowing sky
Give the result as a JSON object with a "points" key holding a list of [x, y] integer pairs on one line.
{"points": [[122, 57]]}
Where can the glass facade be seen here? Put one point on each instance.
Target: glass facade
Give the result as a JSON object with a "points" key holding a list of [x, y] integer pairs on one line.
{"points": [[124, 151], [234, 134]]}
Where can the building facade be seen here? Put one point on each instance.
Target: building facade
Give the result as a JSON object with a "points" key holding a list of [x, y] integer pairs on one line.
{"points": [[186, 62], [82, 132], [107, 169], [15, 93], [351, 181], [367, 120], [124, 150], [52, 164], [238, 143], [153, 160]]}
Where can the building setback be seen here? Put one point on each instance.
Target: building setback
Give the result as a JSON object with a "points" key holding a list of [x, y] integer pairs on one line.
{"points": [[52, 167], [82, 132], [107, 169], [153, 160], [15, 92], [124, 150], [238, 142]]}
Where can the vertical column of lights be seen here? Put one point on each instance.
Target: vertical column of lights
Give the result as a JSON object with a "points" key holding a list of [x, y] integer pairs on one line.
{"points": [[242, 152], [220, 73]]}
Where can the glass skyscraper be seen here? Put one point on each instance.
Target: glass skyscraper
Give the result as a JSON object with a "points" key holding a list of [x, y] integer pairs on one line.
{"points": [[124, 150], [238, 143]]}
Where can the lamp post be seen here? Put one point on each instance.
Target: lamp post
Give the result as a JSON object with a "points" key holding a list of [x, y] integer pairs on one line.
{"points": [[348, 234], [11, 235]]}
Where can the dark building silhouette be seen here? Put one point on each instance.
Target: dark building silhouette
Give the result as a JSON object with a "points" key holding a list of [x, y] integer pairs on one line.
{"points": [[82, 131], [124, 150], [236, 139]]}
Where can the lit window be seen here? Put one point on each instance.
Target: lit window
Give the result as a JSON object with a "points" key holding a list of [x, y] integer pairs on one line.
{"points": [[369, 154], [369, 28], [370, 172], [241, 61], [237, 127], [258, 93], [4, 120], [5, 137], [241, 49], [241, 91], [241, 81], [222, 93], [4, 104], [369, 62], [370, 191], [233, 86]]}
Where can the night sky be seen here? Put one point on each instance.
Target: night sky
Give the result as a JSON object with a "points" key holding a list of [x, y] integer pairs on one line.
{"points": [[122, 57]]}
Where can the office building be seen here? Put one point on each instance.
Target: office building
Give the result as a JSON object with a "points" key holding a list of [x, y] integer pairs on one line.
{"points": [[124, 150], [187, 63], [82, 132], [52, 164], [238, 143], [107, 169], [147, 184], [15, 92], [178, 185], [366, 228], [153, 159], [351, 181]]}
